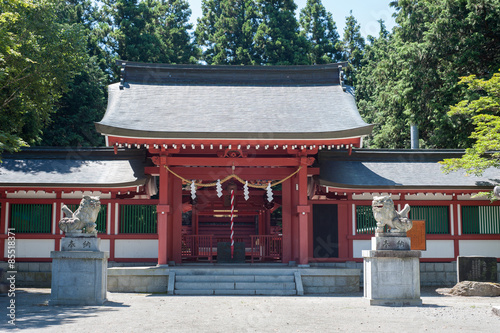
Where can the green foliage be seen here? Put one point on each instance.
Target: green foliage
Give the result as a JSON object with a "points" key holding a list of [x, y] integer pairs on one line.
{"points": [[148, 31], [417, 70], [320, 30], [85, 101], [78, 110], [352, 47], [226, 31], [484, 110], [277, 40], [39, 55]]}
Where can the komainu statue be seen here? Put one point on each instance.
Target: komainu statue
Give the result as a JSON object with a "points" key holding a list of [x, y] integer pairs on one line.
{"points": [[385, 214], [83, 218]]}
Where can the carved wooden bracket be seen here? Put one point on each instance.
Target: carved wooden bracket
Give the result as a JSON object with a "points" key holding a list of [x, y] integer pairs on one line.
{"points": [[234, 153]]}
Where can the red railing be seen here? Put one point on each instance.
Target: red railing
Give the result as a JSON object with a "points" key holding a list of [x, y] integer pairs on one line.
{"points": [[266, 247], [197, 246]]}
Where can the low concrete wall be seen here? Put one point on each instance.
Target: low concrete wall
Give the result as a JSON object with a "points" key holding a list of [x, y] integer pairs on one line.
{"points": [[432, 274], [138, 279], [328, 281], [38, 274]]}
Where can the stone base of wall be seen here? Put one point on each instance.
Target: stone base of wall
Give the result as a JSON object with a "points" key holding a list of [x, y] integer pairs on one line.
{"points": [[138, 279], [330, 281], [432, 274], [438, 274]]}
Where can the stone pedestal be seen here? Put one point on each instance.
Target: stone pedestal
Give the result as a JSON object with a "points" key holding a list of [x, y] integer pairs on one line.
{"points": [[79, 277], [392, 272]]}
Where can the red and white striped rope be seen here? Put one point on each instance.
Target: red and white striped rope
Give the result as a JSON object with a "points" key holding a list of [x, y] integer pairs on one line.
{"points": [[232, 224]]}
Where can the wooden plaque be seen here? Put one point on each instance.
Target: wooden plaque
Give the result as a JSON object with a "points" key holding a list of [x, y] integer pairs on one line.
{"points": [[417, 235]]}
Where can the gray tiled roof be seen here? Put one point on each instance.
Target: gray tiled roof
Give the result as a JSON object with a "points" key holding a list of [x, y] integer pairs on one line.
{"points": [[72, 168], [397, 169], [241, 107]]}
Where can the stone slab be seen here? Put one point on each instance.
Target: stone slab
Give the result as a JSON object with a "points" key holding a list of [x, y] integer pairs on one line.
{"points": [[79, 278], [391, 243], [476, 268], [80, 244], [496, 310], [393, 281], [396, 302], [391, 254]]}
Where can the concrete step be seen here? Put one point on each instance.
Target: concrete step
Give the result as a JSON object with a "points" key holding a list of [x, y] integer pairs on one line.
{"points": [[242, 292], [265, 285], [203, 285], [232, 271], [234, 278], [232, 281]]}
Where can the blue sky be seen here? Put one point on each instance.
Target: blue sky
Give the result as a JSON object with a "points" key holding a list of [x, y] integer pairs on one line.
{"points": [[366, 12]]}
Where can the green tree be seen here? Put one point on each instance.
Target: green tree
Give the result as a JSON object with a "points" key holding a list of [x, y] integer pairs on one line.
{"points": [[320, 30], [434, 43], [352, 48], [85, 101], [149, 31], [277, 40], [39, 55], [226, 31], [377, 70], [483, 107]]}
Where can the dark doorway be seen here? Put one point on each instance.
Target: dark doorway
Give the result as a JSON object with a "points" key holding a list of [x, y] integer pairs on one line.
{"points": [[325, 231]]}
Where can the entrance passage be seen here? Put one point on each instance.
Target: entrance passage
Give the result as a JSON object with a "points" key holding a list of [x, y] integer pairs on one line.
{"points": [[325, 231], [214, 229]]}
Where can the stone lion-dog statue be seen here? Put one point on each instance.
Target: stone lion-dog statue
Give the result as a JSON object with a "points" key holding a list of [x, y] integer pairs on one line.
{"points": [[385, 214], [83, 218]]}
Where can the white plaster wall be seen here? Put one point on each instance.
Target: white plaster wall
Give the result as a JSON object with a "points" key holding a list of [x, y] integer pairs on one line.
{"points": [[439, 249], [360, 245], [105, 245], [33, 248], [487, 248], [136, 248]]}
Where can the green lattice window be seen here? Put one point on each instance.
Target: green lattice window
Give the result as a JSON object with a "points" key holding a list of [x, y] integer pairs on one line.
{"points": [[481, 219], [101, 218], [138, 219], [26, 218], [365, 222], [436, 218]]}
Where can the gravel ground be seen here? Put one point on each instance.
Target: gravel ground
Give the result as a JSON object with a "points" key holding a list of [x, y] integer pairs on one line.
{"points": [[128, 312]]}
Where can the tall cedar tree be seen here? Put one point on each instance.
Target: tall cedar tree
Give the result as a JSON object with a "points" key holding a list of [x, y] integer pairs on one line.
{"points": [[226, 31], [320, 30], [150, 31], [277, 40], [435, 44], [39, 55], [352, 48], [85, 101]]}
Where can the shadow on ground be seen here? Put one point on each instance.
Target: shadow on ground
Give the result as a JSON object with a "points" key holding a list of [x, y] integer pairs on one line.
{"points": [[33, 311]]}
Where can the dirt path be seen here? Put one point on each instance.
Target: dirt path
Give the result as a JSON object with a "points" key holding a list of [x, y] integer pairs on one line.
{"points": [[126, 312]]}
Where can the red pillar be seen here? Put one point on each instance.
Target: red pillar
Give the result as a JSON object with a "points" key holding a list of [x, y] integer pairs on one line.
{"points": [[287, 220], [176, 235], [343, 229], [3, 224], [303, 210], [163, 211]]}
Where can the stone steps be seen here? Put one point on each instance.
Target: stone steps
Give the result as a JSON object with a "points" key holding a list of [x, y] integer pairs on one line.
{"points": [[234, 282]]}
